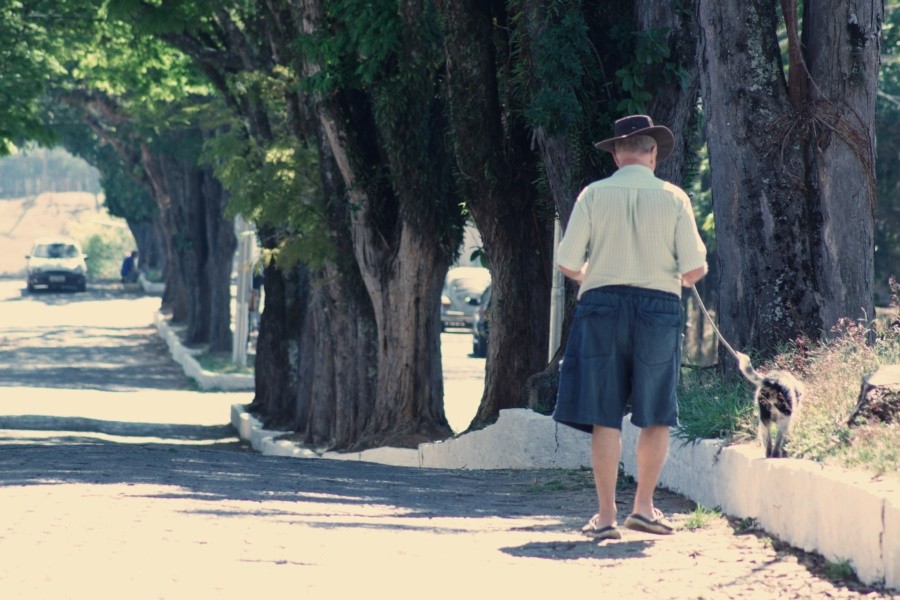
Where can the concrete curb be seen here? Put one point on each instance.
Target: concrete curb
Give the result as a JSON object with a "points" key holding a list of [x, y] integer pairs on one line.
{"points": [[206, 380], [151, 287], [840, 514]]}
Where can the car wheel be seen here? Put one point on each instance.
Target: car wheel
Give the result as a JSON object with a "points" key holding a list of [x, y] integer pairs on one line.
{"points": [[82, 287], [30, 288]]}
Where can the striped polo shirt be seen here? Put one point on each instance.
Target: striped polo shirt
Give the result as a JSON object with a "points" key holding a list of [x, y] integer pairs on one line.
{"points": [[632, 229]]}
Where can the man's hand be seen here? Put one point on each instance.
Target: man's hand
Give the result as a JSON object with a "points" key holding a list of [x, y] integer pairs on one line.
{"points": [[577, 276], [691, 277]]}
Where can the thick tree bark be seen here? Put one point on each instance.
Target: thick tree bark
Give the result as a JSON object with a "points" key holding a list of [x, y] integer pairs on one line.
{"points": [[281, 328], [674, 103], [400, 242], [498, 170], [791, 176], [201, 245], [148, 236]]}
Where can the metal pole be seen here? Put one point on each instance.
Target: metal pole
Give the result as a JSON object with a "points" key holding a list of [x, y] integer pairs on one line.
{"points": [[557, 298], [242, 317]]}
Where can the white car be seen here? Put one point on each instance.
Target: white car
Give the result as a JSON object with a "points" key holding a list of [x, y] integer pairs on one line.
{"points": [[56, 263]]}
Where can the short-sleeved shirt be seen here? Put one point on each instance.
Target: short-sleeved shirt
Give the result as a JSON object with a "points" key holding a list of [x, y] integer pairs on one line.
{"points": [[633, 229]]}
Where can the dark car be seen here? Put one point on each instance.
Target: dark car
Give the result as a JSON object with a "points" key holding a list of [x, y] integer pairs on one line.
{"points": [[56, 263], [480, 325], [462, 292]]}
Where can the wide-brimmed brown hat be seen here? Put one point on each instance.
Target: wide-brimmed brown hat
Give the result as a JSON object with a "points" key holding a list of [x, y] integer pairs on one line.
{"points": [[633, 125]]}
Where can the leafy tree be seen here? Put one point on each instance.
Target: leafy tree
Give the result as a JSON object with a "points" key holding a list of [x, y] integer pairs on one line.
{"points": [[35, 34], [142, 98]]}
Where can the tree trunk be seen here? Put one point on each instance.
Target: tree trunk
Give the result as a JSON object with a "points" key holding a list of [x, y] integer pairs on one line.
{"points": [[791, 173], [148, 237], [201, 243], [392, 165], [674, 103], [493, 152]]}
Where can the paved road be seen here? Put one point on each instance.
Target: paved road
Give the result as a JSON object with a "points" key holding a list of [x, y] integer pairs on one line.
{"points": [[117, 480]]}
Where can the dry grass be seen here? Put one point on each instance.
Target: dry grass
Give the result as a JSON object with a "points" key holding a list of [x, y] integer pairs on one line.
{"points": [[833, 371]]}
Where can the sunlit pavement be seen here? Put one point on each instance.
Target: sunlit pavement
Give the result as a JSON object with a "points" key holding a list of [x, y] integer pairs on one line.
{"points": [[118, 480]]}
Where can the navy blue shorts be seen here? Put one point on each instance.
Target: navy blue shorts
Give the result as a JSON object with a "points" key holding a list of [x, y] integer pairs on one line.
{"points": [[623, 354]]}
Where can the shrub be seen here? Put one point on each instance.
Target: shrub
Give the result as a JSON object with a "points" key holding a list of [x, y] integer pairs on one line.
{"points": [[105, 249]]}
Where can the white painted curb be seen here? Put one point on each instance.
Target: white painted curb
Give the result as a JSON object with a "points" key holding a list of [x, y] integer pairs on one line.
{"points": [[151, 287], [206, 380], [839, 514]]}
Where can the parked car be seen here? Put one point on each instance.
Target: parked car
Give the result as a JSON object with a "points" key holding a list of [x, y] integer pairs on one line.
{"points": [[56, 263], [462, 293], [481, 324]]}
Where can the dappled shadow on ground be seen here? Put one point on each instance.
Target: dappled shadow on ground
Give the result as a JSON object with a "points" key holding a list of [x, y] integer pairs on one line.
{"points": [[96, 290], [212, 475], [88, 358]]}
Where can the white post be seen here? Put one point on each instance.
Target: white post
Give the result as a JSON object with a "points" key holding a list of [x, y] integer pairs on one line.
{"points": [[557, 298], [244, 280]]}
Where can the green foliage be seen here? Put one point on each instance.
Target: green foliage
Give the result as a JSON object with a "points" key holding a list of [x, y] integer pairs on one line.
{"points": [[355, 46], [105, 249], [887, 165], [221, 362], [701, 199], [562, 58], [639, 77], [275, 186], [711, 408], [702, 517], [839, 571], [124, 194], [35, 35], [561, 70]]}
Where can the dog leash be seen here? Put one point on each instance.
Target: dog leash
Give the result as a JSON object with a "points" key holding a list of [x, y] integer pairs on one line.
{"points": [[713, 323]]}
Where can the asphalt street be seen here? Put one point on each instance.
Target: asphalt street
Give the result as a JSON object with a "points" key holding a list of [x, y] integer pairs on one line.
{"points": [[119, 480]]}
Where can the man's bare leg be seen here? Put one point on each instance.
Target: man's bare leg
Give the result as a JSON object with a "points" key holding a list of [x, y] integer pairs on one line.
{"points": [[652, 447], [606, 450]]}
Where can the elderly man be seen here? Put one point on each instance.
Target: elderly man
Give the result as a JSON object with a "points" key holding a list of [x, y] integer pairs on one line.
{"points": [[631, 243]]}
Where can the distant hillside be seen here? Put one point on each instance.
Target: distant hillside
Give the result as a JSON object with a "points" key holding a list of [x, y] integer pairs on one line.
{"points": [[74, 214]]}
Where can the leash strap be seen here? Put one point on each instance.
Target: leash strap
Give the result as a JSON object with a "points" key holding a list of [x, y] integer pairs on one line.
{"points": [[713, 323]]}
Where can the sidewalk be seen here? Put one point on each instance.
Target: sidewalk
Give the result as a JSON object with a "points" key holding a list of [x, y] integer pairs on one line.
{"points": [[842, 515]]}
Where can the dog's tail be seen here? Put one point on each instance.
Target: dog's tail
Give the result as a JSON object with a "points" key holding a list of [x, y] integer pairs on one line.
{"points": [[747, 370]]}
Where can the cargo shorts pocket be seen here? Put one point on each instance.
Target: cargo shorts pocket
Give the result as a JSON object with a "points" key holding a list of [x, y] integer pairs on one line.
{"points": [[596, 328], [656, 337]]}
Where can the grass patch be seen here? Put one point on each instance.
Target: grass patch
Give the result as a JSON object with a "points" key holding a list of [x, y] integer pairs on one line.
{"points": [[702, 518], [832, 370], [711, 408], [220, 362], [839, 571], [746, 525]]}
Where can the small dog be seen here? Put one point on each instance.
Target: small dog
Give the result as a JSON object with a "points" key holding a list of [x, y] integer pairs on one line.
{"points": [[778, 396]]}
